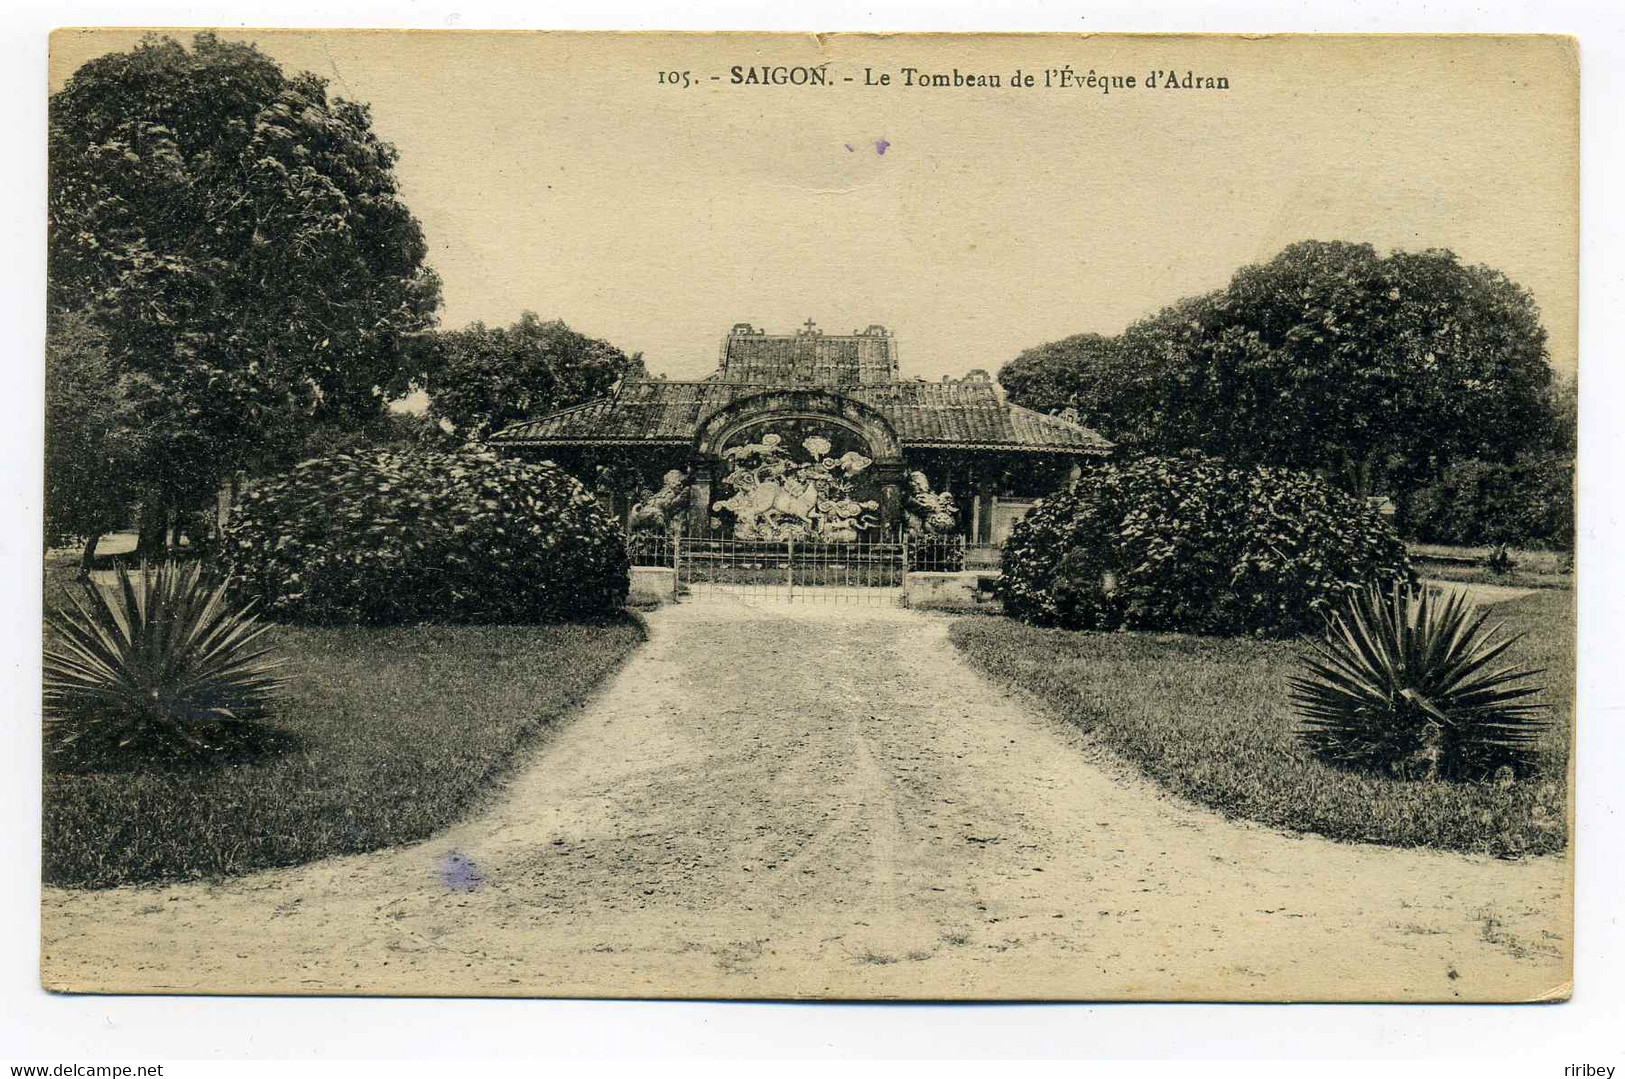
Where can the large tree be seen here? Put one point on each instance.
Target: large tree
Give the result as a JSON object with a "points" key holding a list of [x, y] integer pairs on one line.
{"points": [[481, 379], [1330, 356], [240, 240], [1333, 358]]}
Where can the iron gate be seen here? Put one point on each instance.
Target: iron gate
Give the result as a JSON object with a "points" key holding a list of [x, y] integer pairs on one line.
{"points": [[867, 571], [791, 570]]}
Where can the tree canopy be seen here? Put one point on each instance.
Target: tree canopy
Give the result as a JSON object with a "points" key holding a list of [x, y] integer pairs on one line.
{"points": [[1076, 372], [1329, 356], [482, 379], [239, 240]]}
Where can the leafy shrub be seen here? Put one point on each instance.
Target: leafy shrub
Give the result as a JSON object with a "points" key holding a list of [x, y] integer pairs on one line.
{"points": [[1188, 543], [166, 666], [399, 536], [1529, 503], [1402, 684]]}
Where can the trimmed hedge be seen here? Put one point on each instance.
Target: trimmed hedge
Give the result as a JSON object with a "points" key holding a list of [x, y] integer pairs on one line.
{"points": [[404, 536], [1188, 543]]}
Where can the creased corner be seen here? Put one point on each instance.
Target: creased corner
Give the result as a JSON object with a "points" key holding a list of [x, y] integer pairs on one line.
{"points": [[1557, 994]]}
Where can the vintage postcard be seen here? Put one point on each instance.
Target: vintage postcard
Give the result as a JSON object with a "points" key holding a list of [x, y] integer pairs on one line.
{"points": [[942, 517]]}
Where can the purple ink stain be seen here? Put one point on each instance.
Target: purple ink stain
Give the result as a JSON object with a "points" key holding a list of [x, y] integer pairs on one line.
{"points": [[458, 874], [881, 146]]}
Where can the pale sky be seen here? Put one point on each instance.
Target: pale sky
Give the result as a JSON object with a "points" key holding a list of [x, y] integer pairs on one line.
{"points": [[553, 173]]}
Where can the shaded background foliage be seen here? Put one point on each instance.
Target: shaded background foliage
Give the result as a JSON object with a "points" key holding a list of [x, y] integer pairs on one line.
{"points": [[1525, 502], [392, 536], [90, 434], [1191, 543], [1528, 503], [482, 379]]}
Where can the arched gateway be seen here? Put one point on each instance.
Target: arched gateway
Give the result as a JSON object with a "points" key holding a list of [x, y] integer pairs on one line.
{"points": [[782, 428], [799, 433]]}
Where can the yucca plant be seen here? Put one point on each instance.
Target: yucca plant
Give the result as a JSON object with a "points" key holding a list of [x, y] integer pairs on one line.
{"points": [[164, 663], [1403, 683]]}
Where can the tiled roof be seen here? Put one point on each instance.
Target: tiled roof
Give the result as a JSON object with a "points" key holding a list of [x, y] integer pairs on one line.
{"points": [[965, 413], [808, 357], [646, 411]]}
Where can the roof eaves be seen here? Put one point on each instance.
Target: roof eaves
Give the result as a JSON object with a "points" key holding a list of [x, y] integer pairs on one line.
{"points": [[594, 403], [1045, 419], [601, 440], [1006, 447]]}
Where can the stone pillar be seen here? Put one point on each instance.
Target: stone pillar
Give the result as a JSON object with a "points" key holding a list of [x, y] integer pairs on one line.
{"points": [[225, 500], [986, 500], [891, 499], [699, 501]]}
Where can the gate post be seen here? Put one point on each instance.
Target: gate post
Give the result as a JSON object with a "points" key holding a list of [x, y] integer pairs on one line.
{"points": [[903, 539], [790, 568], [676, 565]]}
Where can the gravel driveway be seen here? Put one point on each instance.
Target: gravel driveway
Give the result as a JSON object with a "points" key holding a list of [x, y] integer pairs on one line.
{"points": [[815, 800]]}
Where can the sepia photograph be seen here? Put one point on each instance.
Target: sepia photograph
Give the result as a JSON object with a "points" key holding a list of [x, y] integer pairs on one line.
{"points": [[769, 516]]}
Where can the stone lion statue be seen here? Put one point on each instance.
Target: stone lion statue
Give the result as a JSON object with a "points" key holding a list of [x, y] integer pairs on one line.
{"points": [[664, 509], [929, 512]]}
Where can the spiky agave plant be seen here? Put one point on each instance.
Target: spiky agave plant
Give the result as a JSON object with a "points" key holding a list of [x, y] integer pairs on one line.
{"points": [[165, 662], [1403, 683]]}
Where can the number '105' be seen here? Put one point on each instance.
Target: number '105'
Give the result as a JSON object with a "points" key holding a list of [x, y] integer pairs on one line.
{"points": [[673, 78]]}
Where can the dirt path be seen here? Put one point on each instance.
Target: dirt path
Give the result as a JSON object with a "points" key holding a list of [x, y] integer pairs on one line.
{"points": [[812, 801]]}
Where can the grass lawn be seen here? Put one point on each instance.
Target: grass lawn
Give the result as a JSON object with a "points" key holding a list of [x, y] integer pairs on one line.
{"points": [[1209, 719], [389, 735], [1465, 565]]}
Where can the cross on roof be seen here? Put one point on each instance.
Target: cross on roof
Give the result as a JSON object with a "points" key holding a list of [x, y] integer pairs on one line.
{"points": [[810, 325]]}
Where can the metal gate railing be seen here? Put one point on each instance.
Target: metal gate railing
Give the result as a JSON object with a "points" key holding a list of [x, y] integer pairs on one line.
{"points": [[806, 570], [869, 571]]}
